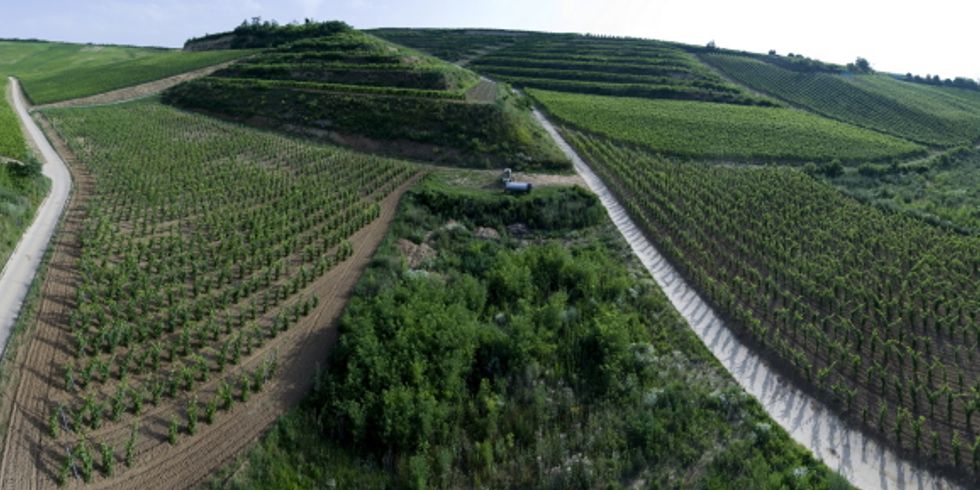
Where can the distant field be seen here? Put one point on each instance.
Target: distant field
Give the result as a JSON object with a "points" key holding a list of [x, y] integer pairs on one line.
{"points": [[11, 138], [875, 310], [52, 72], [708, 130], [932, 115]]}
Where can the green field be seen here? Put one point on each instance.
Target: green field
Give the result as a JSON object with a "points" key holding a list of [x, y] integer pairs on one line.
{"points": [[722, 131], [52, 72], [547, 360], [875, 310], [931, 115], [360, 90], [11, 138]]}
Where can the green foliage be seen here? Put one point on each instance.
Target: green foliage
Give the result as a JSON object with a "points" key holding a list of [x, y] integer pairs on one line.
{"points": [[11, 139], [721, 131], [818, 280], [259, 34], [944, 190], [52, 72], [22, 188], [507, 356]]}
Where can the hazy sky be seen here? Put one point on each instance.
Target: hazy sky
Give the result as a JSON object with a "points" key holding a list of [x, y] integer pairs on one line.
{"points": [[934, 36]]}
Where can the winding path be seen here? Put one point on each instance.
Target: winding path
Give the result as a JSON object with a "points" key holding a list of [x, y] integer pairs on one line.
{"points": [[18, 272], [860, 459]]}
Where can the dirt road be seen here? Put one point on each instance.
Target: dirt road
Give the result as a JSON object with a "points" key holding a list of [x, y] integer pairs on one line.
{"points": [[859, 458], [18, 272]]}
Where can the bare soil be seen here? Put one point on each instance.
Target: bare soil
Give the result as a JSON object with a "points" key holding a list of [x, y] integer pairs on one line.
{"points": [[31, 459], [137, 91]]}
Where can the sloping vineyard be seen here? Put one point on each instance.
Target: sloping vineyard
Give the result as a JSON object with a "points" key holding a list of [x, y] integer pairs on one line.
{"points": [[938, 116], [454, 45], [199, 247], [878, 312], [708, 130]]}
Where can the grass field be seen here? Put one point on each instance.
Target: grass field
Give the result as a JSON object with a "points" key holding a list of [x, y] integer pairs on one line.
{"points": [[22, 188], [540, 360], [722, 131], [876, 311], [12, 143], [931, 115], [209, 239], [52, 72]]}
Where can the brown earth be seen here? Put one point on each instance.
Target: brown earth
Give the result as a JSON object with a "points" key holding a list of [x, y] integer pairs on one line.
{"points": [[137, 91], [31, 459]]}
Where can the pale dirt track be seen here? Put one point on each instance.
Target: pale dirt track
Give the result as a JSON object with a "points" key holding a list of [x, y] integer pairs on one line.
{"points": [[31, 459], [18, 272], [137, 91], [862, 460]]}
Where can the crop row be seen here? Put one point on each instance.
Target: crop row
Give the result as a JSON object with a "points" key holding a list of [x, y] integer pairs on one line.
{"points": [[201, 244], [722, 131], [877, 311]]}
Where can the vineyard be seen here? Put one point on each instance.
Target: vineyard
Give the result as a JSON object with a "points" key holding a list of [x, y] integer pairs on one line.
{"points": [[581, 64], [203, 244], [931, 115], [348, 86], [52, 72], [722, 131], [876, 311]]}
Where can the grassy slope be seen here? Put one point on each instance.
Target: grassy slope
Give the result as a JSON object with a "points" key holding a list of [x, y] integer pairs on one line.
{"points": [[52, 72], [708, 130], [938, 116], [549, 390], [11, 139]]}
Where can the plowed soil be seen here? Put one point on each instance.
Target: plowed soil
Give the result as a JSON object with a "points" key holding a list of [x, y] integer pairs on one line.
{"points": [[31, 459]]}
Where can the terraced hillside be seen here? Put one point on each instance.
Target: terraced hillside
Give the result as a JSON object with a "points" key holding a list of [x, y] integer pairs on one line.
{"points": [[454, 45], [52, 72], [722, 131], [932, 115], [587, 64], [876, 311], [357, 89]]}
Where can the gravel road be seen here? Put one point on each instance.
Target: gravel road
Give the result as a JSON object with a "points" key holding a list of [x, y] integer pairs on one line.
{"points": [[20, 268], [860, 459]]}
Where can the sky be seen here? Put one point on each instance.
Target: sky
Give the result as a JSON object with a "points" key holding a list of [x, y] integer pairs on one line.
{"points": [[922, 37]]}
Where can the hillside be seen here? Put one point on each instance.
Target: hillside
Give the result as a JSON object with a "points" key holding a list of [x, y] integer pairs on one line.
{"points": [[356, 89], [582, 64], [932, 115], [52, 72]]}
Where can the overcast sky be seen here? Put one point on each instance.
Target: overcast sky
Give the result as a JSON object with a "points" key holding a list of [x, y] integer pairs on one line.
{"points": [[924, 37]]}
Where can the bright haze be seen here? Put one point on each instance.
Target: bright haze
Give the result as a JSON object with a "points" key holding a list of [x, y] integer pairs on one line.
{"points": [[933, 37]]}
